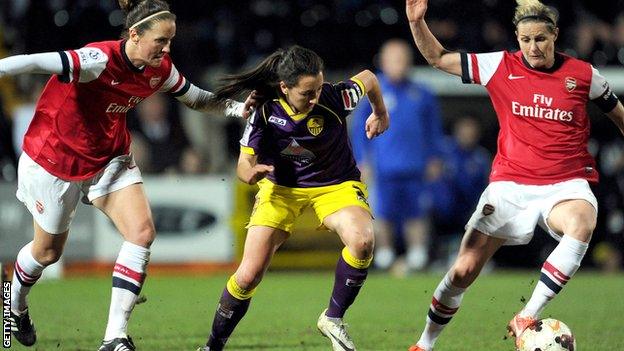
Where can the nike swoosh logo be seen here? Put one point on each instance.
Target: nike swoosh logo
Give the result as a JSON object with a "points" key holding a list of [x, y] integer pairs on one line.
{"points": [[512, 77], [114, 82], [340, 342]]}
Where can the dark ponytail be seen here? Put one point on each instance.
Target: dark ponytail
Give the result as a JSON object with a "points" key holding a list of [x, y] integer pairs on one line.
{"points": [[282, 65], [137, 10]]}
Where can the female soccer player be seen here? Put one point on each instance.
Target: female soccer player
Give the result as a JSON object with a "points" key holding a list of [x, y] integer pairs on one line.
{"points": [[78, 143], [297, 149], [542, 168]]}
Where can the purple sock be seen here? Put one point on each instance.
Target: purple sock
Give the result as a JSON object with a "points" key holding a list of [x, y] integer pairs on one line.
{"points": [[229, 312], [347, 285]]}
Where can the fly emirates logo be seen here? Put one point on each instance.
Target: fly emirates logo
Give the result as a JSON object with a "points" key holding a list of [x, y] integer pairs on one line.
{"points": [[117, 108], [541, 108]]}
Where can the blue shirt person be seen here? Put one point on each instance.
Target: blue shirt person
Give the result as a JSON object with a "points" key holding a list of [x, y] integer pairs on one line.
{"points": [[403, 160]]}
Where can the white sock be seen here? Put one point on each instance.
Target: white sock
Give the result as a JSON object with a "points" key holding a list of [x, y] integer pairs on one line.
{"points": [[384, 257], [444, 304], [27, 272], [128, 277], [559, 267], [417, 257]]}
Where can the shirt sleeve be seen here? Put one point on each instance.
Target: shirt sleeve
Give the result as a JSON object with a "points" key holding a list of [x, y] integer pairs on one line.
{"points": [[46, 63], [254, 131], [83, 65], [345, 96], [479, 68], [600, 93]]}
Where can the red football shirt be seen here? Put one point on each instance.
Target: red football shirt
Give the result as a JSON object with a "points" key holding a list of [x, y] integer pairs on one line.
{"points": [[80, 120], [544, 127]]}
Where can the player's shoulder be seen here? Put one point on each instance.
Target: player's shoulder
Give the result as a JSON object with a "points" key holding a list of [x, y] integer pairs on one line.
{"points": [[108, 46], [573, 63], [271, 108], [98, 52]]}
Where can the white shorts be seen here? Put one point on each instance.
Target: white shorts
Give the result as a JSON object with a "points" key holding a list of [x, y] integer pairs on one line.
{"points": [[53, 201], [510, 211]]}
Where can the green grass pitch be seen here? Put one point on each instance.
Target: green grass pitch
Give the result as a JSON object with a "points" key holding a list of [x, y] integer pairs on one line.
{"points": [[71, 314]]}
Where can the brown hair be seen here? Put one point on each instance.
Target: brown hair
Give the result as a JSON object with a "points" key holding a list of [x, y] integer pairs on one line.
{"points": [[137, 10], [283, 65], [534, 10]]}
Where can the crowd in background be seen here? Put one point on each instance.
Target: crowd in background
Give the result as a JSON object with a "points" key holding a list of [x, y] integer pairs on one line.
{"points": [[215, 37]]}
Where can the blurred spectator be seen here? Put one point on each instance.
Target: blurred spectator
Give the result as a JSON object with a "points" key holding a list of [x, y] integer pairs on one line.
{"points": [[159, 141], [402, 160], [467, 166], [466, 171]]}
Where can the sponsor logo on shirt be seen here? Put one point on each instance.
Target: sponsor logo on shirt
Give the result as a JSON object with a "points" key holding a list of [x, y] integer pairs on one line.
{"points": [[114, 107], [570, 83], [315, 125], [541, 108], [297, 153], [277, 120]]}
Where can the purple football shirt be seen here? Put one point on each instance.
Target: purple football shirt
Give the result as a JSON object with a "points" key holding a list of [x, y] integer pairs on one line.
{"points": [[307, 150]]}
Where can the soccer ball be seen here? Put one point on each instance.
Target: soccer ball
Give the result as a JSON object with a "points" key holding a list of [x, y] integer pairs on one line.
{"points": [[547, 335]]}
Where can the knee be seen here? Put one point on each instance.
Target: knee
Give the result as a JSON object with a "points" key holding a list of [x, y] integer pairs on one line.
{"points": [[464, 272], [580, 227], [363, 245], [248, 280], [47, 256], [144, 235]]}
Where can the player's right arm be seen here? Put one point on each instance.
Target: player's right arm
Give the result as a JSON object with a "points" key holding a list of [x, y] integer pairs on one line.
{"points": [[435, 54], [44, 63], [249, 171]]}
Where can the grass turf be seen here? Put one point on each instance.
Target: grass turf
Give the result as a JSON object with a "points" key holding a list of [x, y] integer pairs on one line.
{"points": [[389, 314]]}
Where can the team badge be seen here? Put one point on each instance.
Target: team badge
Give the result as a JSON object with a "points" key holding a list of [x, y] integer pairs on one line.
{"points": [[154, 81], [570, 83], [487, 209], [315, 125]]}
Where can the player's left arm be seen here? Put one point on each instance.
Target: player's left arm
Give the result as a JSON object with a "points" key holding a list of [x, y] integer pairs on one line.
{"points": [[379, 121], [601, 94], [617, 116]]}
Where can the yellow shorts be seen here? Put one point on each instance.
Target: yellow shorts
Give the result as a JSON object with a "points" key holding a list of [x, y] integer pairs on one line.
{"points": [[278, 206]]}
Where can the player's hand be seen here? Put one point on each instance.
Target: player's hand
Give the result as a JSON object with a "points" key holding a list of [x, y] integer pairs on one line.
{"points": [[376, 124], [258, 172], [251, 103], [415, 10]]}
